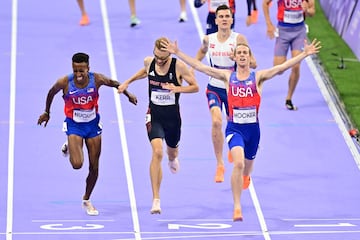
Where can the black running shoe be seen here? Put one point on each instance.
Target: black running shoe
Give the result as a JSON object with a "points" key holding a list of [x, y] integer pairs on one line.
{"points": [[290, 106], [65, 149]]}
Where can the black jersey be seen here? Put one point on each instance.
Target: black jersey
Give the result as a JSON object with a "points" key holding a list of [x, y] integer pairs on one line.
{"points": [[156, 82], [163, 118]]}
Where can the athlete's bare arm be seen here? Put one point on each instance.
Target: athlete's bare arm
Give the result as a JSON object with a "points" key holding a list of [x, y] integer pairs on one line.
{"points": [[203, 48], [183, 73], [140, 74], [101, 79], [270, 32], [60, 84]]}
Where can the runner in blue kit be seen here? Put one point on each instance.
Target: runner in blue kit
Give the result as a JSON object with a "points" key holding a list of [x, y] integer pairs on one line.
{"points": [[82, 123], [244, 88], [219, 46], [163, 121]]}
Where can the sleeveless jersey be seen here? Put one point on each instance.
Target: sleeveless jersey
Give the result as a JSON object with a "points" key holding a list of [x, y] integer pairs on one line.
{"points": [[243, 100], [214, 4], [219, 54], [290, 12], [159, 97], [81, 104]]}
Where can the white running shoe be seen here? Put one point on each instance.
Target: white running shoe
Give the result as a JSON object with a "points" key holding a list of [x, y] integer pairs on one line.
{"points": [[65, 149], [174, 165], [183, 17], [155, 209], [134, 21], [90, 209]]}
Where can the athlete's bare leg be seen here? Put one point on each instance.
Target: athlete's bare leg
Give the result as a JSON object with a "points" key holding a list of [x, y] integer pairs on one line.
{"points": [[238, 157], [94, 149], [294, 77], [76, 155], [155, 166], [217, 134], [183, 15], [84, 17]]}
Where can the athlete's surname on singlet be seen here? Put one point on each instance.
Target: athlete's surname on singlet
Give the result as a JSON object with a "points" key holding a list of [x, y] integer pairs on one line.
{"points": [[214, 4], [219, 53], [157, 95], [81, 104], [290, 12], [243, 99]]}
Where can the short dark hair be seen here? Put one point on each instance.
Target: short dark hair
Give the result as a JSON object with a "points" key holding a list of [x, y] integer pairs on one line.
{"points": [[80, 57], [222, 7]]}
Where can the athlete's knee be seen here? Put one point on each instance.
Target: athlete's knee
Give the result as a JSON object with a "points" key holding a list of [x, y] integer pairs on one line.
{"points": [[217, 123], [157, 153], [76, 164], [239, 165]]}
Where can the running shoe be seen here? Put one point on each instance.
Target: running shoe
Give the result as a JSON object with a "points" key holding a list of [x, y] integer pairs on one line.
{"points": [[155, 209], [65, 149], [290, 106], [183, 17], [134, 21], [174, 165], [254, 16], [84, 20], [219, 177], [246, 182], [90, 209], [237, 215]]}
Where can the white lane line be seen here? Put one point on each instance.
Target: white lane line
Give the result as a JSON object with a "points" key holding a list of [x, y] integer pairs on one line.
{"points": [[121, 126], [10, 187]]}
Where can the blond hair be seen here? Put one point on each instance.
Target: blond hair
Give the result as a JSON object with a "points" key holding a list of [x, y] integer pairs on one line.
{"points": [[158, 42], [242, 44]]}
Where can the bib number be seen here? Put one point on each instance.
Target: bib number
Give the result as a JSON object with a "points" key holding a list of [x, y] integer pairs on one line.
{"points": [[81, 116], [162, 98], [293, 17], [243, 116]]}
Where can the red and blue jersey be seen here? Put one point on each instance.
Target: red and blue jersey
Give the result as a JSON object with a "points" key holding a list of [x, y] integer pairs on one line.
{"points": [[243, 99], [290, 12], [81, 104]]}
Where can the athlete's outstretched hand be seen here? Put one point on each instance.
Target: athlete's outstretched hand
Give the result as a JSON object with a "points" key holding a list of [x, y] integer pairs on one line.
{"points": [[169, 46], [132, 98], [45, 117], [312, 48], [122, 87]]}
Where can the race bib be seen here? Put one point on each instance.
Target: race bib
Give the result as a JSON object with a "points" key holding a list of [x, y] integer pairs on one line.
{"points": [[162, 97], [243, 115], [293, 16], [80, 115]]}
